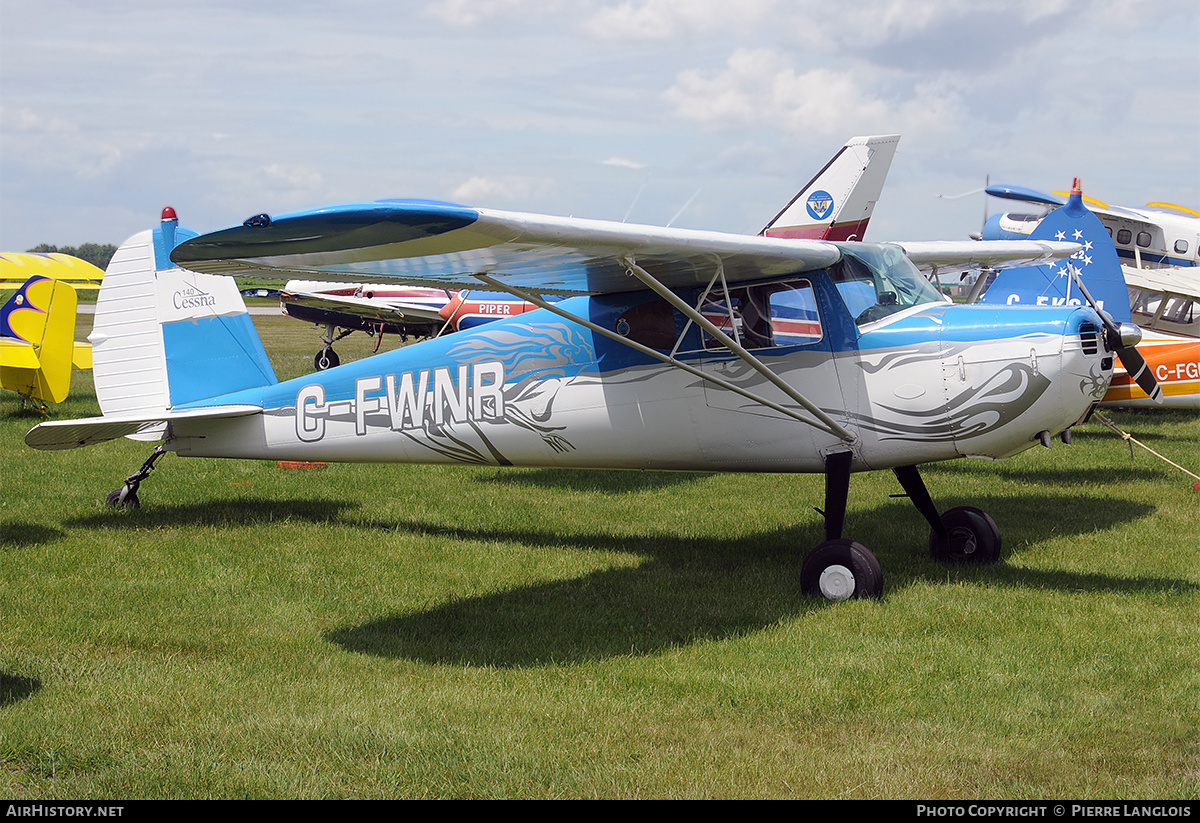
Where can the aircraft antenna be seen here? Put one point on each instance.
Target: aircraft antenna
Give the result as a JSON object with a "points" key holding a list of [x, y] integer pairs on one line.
{"points": [[682, 210]]}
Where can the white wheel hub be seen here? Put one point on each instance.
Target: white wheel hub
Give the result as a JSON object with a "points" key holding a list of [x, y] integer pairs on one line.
{"points": [[837, 582]]}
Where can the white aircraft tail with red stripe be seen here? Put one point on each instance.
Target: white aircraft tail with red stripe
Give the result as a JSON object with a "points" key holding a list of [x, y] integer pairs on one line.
{"points": [[838, 202]]}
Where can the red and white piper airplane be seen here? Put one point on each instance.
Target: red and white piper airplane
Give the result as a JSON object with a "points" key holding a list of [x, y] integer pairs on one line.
{"points": [[835, 205], [673, 349]]}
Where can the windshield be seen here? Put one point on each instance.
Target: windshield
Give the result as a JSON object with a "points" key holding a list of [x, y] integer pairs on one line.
{"points": [[876, 280]]}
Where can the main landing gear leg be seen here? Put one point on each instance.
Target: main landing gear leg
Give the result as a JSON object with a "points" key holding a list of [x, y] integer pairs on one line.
{"points": [[327, 358], [840, 569], [963, 534], [127, 494]]}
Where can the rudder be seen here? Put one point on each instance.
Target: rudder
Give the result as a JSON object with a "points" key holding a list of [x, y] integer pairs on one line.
{"points": [[164, 336]]}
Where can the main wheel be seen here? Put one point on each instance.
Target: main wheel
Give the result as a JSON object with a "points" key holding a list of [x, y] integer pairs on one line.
{"points": [[971, 537], [840, 570], [326, 359]]}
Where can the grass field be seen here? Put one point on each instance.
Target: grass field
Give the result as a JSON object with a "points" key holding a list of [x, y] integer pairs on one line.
{"points": [[432, 632]]}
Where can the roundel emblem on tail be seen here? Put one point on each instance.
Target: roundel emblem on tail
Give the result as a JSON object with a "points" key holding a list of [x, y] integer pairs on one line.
{"points": [[820, 205]]}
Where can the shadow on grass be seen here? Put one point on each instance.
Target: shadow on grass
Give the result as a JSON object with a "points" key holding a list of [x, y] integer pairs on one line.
{"points": [[694, 589], [23, 535], [240, 512], [1052, 476], [594, 480], [14, 688]]}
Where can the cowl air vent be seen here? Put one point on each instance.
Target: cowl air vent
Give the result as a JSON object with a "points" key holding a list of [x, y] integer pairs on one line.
{"points": [[1089, 338]]}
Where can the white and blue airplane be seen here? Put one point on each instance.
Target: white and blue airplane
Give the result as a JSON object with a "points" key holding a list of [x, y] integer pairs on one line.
{"points": [[674, 349]]}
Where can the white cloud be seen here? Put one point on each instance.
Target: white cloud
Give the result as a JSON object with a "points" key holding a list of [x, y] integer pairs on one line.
{"points": [[623, 163], [505, 191], [465, 13], [665, 19], [761, 88]]}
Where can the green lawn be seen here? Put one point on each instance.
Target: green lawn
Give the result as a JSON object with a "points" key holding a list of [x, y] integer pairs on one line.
{"points": [[423, 631]]}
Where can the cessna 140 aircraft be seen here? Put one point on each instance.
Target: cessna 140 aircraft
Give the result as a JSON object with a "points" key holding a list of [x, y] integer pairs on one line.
{"points": [[835, 205], [675, 349]]}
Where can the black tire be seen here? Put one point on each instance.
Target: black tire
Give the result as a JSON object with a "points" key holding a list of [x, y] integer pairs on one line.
{"points": [[842, 570], [971, 537], [131, 498], [326, 359]]}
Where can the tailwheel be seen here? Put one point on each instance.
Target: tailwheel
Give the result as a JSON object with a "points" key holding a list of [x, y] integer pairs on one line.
{"points": [[841, 569], [127, 494], [326, 359], [124, 496], [971, 537]]}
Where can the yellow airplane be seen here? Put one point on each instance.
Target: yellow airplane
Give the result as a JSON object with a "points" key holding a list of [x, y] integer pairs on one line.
{"points": [[17, 267], [37, 341]]}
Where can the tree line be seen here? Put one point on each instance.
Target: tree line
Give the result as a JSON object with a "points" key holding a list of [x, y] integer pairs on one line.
{"points": [[93, 253]]}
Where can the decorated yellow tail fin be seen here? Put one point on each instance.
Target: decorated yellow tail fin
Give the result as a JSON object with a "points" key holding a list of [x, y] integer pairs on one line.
{"points": [[37, 340]]}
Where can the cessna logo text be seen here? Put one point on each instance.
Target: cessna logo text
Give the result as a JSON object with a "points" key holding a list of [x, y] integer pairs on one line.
{"points": [[411, 400], [192, 298]]}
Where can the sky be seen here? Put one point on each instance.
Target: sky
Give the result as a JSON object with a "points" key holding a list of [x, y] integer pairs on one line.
{"points": [[706, 114]]}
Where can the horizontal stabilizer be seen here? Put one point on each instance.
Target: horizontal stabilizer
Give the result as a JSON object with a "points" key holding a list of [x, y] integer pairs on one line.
{"points": [[17, 354], [70, 434]]}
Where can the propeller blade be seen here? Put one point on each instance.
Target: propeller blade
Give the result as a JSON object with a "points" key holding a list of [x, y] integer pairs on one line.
{"points": [[1135, 364], [1131, 358]]}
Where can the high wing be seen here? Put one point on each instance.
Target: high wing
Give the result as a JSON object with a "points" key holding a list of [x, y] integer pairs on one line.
{"points": [[17, 267], [969, 254], [1168, 282], [444, 245]]}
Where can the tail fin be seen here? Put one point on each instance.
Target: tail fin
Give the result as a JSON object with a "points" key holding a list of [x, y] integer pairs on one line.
{"points": [[1096, 264], [164, 336], [37, 339], [838, 202]]}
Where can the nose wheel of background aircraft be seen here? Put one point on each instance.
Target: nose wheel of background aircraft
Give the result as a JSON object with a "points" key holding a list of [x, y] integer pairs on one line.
{"points": [[326, 359]]}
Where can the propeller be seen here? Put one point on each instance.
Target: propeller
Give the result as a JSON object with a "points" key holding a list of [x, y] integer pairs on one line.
{"points": [[1123, 339]]}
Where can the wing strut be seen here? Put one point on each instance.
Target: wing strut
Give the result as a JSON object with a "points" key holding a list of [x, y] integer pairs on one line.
{"points": [[823, 422]]}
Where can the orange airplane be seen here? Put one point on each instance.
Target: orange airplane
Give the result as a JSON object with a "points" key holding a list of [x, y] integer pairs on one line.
{"points": [[1165, 304]]}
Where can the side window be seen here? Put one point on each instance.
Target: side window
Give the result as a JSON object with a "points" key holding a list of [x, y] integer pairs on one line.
{"points": [[1179, 310], [778, 314], [1124, 236], [794, 318], [1181, 246], [651, 324], [744, 318], [1143, 239]]}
